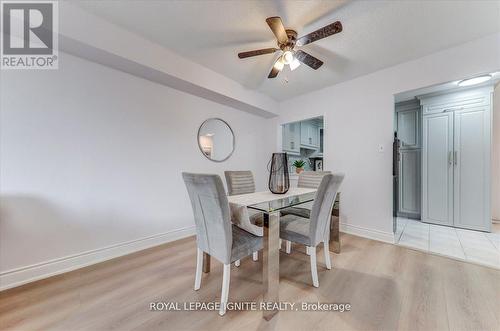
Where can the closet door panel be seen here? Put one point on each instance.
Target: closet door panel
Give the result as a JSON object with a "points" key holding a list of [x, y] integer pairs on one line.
{"points": [[437, 169], [472, 169]]}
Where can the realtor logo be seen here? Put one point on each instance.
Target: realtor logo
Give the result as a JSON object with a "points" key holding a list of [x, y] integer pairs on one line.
{"points": [[29, 35]]}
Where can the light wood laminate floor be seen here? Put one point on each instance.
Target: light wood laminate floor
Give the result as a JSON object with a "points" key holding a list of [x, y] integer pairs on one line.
{"points": [[389, 288]]}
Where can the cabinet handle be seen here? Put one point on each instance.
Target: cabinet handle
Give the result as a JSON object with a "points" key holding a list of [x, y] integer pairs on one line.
{"points": [[450, 158], [291, 144], [455, 158], [310, 140]]}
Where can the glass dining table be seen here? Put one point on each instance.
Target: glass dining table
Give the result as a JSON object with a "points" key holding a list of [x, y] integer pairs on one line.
{"points": [[270, 250], [271, 206]]}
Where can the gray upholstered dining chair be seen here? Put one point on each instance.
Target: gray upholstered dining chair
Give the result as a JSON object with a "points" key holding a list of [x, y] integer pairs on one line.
{"points": [[307, 179], [239, 182], [242, 182], [311, 179], [315, 229], [215, 234]]}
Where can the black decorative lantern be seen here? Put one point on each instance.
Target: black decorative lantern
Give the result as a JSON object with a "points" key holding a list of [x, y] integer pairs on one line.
{"points": [[279, 180]]}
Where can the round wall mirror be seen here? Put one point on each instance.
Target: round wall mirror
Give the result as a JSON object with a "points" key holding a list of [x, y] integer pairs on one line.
{"points": [[216, 139]]}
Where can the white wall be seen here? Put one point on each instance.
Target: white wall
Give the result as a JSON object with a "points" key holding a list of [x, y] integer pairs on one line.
{"points": [[359, 118], [92, 158], [495, 157]]}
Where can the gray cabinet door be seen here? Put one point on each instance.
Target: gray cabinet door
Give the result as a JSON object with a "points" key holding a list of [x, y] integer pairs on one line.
{"points": [[315, 135], [472, 169], [304, 133], [437, 169], [309, 135], [409, 183], [291, 138], [455, 101], [295, 137], [409, 128]]}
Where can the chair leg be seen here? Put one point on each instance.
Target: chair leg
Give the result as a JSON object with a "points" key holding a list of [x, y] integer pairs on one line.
{"points": [[199, 269], [237, 263], [255, 256], [225, 288], [326, 249], [288, 246], [314, 268]]}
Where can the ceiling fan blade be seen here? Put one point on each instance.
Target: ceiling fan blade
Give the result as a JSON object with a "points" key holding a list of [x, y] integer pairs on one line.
{"points": [[324, 32], [277, 67], [308, 59], [243, 55], [278, 29]]}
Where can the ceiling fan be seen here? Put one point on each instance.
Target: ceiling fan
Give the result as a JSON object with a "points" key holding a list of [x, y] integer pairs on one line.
{"points": [[287, 40]]}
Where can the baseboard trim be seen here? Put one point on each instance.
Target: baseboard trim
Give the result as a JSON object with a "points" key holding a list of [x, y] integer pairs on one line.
{"points": [[20, 276], [387, 237]]}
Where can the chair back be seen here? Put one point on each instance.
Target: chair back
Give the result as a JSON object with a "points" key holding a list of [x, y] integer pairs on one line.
{"points": [[311, 179], [321, 212], [239, 182], [211, 214]]}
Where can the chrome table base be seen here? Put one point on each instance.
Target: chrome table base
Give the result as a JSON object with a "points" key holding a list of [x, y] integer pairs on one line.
{"points": [[271, 262]]}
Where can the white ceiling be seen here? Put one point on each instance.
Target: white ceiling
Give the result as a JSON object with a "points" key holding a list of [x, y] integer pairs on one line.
{"points": [[376, 35]]}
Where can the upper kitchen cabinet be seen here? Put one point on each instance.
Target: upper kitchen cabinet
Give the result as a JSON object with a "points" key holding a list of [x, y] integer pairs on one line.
{"points": [[408, 124], [309, 134], [291, 138]]}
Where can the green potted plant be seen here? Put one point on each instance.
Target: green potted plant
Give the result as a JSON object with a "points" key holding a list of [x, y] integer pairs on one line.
{"points": [[299, 166]]}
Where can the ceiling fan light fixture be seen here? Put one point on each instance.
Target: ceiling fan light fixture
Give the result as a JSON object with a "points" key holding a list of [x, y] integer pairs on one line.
{"points": [[278, 65], [294, 64], [287, 57], [474, 80], [286, 41]]}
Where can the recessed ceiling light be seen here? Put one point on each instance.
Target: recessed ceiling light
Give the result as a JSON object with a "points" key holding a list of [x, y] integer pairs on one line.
{"points": [[474, 81]]}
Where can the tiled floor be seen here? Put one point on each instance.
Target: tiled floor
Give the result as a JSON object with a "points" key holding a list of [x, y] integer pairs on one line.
{"points": [[474, 246]]}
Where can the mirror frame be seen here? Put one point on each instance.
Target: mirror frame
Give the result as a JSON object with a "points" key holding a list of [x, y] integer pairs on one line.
{"points": [[230, 129]]}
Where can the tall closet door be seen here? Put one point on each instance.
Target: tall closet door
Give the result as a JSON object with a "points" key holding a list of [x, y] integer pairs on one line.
{"points": [[472, 169], [437, 169]]}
